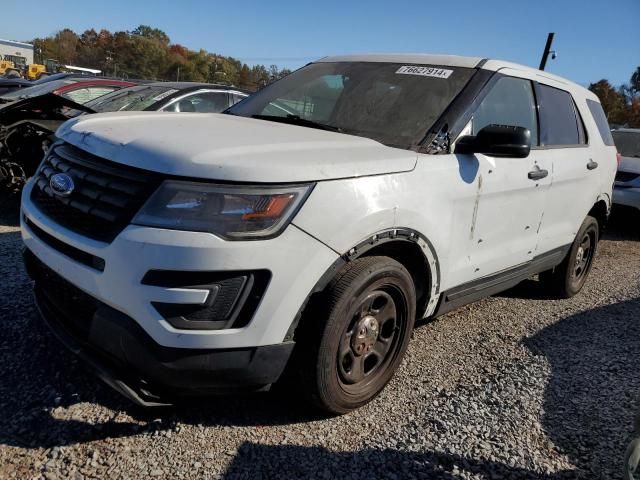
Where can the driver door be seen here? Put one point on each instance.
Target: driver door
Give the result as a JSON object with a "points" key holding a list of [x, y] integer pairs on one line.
{"points": [[509, 205]]}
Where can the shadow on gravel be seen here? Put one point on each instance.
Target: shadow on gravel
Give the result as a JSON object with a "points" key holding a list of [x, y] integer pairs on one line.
{"points": [[289, 461], [37, 375], [594, 390], [9, 209], [624, 224]]}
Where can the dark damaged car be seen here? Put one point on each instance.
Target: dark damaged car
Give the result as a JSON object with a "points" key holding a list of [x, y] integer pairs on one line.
{"points": [[28, 117], [28, 124]]}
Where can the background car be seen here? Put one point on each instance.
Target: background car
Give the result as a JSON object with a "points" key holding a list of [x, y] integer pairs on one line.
{"points": [[30, 122], [79, 89], [11, 84], [171, 97], [29, 116], [626, 191]]}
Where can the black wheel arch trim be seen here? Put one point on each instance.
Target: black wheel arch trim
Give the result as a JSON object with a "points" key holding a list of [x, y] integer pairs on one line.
{"points": [[396, 234]]}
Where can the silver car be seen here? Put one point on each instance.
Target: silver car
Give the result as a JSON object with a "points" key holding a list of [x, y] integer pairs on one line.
{"points": [[627, 187]]}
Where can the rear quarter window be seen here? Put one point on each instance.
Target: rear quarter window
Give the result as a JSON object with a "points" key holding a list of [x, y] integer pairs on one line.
{"points": [[559, 121], [601, 121]]}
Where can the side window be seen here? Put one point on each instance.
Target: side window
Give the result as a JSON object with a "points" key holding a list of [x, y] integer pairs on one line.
{"points": [[203, 102], [560, 124], [601, 121], [510, 102], [83, 95], [235, 98]]}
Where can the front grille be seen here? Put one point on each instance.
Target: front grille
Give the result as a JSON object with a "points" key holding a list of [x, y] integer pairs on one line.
{"points": [[625, 177], [66, 249], [106, 195]]}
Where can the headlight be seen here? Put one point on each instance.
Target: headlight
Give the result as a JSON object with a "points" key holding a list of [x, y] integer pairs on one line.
{"points": [[231, 212]]}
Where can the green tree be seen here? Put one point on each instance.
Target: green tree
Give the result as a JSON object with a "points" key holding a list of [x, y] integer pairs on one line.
{"points": [[612, 101], [635, 82], [151, 34], [64, 46], [244, 77]]}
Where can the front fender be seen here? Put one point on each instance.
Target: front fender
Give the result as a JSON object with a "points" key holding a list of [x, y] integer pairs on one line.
{"points": [[348, 214]]}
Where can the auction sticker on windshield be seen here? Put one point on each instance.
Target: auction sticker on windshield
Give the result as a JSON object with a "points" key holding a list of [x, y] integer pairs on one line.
{"points": [[424, 71]]}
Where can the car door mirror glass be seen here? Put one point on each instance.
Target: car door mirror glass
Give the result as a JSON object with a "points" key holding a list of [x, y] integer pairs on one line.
{"points": [[497, 141]]}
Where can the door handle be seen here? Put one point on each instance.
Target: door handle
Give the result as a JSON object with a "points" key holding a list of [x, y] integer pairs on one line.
{"points": [[592, 165], [538, 174]]}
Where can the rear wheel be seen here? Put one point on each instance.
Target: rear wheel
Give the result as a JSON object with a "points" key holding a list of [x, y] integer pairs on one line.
{"points": [[568, 278], [352, 349]]}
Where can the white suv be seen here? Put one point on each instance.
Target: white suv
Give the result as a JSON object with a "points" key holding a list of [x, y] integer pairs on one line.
{"points": [[310, 225]]}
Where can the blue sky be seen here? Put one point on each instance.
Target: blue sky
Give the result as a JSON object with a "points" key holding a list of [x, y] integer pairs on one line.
{"points": [[594, 40]]}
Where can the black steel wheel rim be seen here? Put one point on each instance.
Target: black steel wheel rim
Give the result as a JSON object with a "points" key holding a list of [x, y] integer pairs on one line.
{"points": [[584, 255], [372, 337]]}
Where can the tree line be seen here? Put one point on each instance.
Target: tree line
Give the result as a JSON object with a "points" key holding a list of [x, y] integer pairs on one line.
{"points": [[621, 104], [147, 53]]}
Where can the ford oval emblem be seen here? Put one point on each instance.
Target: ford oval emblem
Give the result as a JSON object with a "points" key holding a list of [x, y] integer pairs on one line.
{"points": [[61, 184]]}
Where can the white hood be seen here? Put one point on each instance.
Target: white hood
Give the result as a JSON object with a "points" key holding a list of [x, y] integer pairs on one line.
{"points": [[226, 147]]}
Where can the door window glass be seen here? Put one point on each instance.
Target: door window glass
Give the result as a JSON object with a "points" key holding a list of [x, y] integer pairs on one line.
{"points": [[558, 121], [601, 121], [203, 102], [510, 102], [237, 98]]}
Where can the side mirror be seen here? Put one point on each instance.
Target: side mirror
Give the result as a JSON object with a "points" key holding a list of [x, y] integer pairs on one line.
{"points": [[497, 141]]}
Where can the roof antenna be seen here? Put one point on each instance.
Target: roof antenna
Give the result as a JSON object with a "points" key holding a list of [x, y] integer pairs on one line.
{"points": [[547, 51]]}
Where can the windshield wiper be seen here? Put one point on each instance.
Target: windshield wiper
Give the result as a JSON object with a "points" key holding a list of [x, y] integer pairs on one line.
{"points": [[297, 120]]}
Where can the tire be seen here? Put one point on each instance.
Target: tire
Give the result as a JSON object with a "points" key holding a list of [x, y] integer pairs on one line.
{"points": [[352, 347], [568, 278]]}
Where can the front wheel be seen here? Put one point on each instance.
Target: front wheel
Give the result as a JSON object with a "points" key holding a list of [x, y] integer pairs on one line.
{"points": [[568, 278], [352, 349]]}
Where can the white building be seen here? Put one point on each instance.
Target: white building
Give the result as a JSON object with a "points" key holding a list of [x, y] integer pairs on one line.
{"points": [[9, 47]]}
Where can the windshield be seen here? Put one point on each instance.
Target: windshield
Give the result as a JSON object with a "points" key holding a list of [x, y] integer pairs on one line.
{"points": [[627, 143], [136, 98], [391, 103], [37, 90]]}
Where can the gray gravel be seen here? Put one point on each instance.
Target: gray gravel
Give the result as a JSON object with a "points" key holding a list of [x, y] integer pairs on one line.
{"points": [[515, 386]]}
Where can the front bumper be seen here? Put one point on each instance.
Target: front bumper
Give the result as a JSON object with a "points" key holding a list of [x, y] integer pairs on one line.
{"points": [[294, 259], [119, 351], [627, 196]]}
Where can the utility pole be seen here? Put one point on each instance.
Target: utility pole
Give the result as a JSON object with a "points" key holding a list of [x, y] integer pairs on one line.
{"points": [[547, 51]]}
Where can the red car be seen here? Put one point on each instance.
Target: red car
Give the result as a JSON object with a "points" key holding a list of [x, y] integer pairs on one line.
{"points": [[78, 89]]}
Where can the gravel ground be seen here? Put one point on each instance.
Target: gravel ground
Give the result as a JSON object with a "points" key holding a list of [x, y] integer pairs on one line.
{"points": [[515, 386]]}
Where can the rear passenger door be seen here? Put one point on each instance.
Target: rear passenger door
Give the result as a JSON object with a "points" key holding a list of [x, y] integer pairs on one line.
{"points": [[575, 178], [510, 204]]}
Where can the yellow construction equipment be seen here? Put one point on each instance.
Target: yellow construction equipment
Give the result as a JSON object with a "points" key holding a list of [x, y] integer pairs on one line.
{"points": [[35, 71], [12, 65]]}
